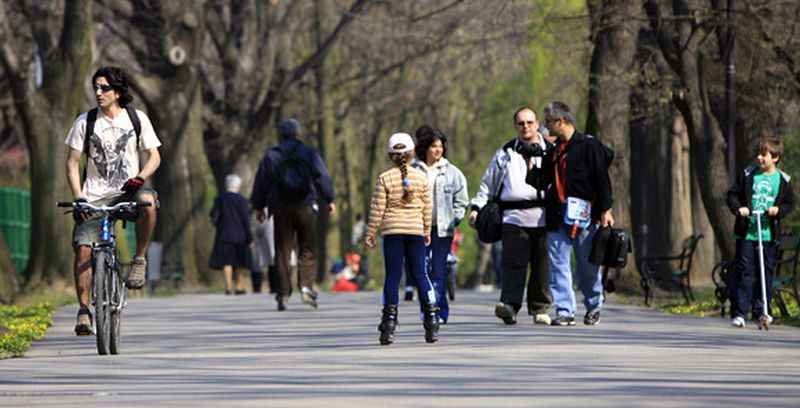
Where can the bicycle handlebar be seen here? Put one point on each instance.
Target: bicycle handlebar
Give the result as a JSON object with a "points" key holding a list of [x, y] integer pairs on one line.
{"points": [[120, 206]]}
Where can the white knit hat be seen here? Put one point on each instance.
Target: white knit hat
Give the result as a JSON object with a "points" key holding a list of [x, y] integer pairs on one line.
{"points": [[400, 143]]}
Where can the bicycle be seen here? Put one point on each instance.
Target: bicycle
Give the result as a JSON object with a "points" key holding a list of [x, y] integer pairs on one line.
{"points": [[109, 293]]}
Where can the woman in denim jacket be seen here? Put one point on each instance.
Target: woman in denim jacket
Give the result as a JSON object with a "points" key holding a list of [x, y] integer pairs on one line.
{"points": [[450, 200]]}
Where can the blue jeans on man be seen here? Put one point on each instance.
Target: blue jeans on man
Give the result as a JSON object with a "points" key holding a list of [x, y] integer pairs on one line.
{"points": [[588, 275]]}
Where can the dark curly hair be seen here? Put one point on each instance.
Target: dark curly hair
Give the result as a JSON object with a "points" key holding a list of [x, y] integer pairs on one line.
{"points": [[425, 136], [118, 79]]}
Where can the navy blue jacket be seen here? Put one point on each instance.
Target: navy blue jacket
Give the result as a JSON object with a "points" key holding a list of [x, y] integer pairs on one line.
{"points": [[741, 195], [234, 218], [265, 186]]}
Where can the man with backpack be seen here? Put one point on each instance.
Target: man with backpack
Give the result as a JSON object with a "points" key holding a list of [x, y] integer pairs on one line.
{"points": [[115, 138], [291, 179], [578, 203]]}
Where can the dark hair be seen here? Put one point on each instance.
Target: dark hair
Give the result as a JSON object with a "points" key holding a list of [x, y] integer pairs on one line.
{"points": [[516, 112], [118, 80], [772, 145], [425, 136]]}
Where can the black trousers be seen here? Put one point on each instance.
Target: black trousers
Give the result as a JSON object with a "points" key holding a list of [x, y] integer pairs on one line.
{"points": [[523, 247]]}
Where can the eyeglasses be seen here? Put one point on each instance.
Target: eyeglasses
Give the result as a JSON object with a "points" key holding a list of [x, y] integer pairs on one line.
{"points": [[102, 87], [524, 122], [551, 120]]}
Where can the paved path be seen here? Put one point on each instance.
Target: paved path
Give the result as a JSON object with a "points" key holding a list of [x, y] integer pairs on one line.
{"points": [[212, 350]]}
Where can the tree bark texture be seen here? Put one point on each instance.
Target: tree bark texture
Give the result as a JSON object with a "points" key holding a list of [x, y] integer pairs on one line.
{"points": [[680, 42], [47, 114], [170, 84], [615, 27]]}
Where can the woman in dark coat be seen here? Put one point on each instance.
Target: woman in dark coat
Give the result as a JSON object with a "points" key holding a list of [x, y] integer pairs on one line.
{"points": [[231, 217]]}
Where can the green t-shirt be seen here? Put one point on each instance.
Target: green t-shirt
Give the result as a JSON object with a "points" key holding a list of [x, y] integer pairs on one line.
{"points": [[765, 190]]}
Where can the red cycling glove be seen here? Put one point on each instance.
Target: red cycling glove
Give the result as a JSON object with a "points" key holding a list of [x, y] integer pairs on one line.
{"points": [[133, 185]]}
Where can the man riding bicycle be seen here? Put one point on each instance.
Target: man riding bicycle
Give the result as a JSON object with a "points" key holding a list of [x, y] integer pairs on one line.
{"points": [[119, 137]]}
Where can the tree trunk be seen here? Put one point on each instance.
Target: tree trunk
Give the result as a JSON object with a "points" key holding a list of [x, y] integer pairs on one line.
{"points": [[615, 28], [171, 89], [8, 275], [680, 39], [46, 115]]}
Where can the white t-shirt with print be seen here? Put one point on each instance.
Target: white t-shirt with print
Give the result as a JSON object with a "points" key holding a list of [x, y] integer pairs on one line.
{"points": [[113, 156]]}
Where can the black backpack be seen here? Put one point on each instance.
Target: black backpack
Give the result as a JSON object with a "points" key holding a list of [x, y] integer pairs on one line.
{"points": [[91, 118], [293, 175]]}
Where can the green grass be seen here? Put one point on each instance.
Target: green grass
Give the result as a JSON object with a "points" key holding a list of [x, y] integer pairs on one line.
{"points": [[20, 325], [706, 305]]}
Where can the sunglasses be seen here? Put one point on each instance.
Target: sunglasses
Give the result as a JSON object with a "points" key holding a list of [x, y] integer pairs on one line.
{"points": [[103, 87], [523, 123]]}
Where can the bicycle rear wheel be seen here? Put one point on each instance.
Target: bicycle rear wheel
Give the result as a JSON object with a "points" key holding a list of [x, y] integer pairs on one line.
{"points": [[117, 299], [102, 304]]}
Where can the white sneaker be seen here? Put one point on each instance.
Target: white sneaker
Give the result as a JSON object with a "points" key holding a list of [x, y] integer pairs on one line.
{"points": [[738, 321], [542, 318]]}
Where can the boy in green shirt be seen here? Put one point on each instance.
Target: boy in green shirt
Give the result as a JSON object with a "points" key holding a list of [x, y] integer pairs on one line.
{"points": [[762, 187]]}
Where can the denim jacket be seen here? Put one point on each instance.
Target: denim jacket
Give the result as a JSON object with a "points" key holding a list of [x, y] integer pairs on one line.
{"points": [[450, 196]]}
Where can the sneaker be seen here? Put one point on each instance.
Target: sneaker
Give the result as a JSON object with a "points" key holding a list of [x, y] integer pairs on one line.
{"points": [[563, 321], [309, 296], [138, 271], [239, 292], [738, 321], [506, 313], [542, 318], [84, 325], [592, 318]]}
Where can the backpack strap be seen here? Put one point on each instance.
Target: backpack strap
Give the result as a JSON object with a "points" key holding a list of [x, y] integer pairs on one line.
{"points": [[137, 124], [91, 117]]}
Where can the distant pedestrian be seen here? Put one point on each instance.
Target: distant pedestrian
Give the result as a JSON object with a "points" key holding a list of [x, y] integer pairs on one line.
{"points": [[401, 208], [291, 179], [263, 253], [449, 189], [762, 187], [231, 215]]}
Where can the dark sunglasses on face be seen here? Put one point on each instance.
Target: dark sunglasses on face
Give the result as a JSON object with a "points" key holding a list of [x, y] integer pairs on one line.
{"points": [[522, 123], [102, 87]]}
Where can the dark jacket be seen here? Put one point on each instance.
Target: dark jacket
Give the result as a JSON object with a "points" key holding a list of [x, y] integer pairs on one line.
{"points": [[234, 218], [265, 187], [741, 195], [586, 177]]}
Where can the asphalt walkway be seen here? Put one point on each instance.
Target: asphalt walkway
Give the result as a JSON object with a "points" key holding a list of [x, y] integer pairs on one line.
{"points": [[238, 351]]}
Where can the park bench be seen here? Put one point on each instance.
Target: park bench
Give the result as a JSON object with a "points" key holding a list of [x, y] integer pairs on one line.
{"points": [[669, 271], [784, 279]]}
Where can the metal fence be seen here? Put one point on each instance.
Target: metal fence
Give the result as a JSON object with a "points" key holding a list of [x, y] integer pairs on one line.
{"points": [[15, 224]]}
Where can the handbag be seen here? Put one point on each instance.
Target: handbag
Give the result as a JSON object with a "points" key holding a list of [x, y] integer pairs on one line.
{"points": [[490, 222]]}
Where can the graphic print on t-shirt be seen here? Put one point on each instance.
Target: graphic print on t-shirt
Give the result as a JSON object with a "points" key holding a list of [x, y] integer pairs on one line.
{"points": [[108, 155], [763, 194]]}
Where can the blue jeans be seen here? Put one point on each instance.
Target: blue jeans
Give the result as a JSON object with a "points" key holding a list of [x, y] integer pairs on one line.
{"points": [[398, 250], [588, 275], [440, 247]]}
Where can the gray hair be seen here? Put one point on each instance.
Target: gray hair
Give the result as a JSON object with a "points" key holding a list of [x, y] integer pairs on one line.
{"points": [[233, 182], [560, 110]]}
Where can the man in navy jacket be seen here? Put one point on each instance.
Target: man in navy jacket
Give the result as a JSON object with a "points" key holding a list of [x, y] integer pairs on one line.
{"points": [[294, 216]]}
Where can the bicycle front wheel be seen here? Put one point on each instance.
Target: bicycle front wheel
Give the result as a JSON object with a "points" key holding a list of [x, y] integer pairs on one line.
{"points": [[102, 301], [117, 300]]}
